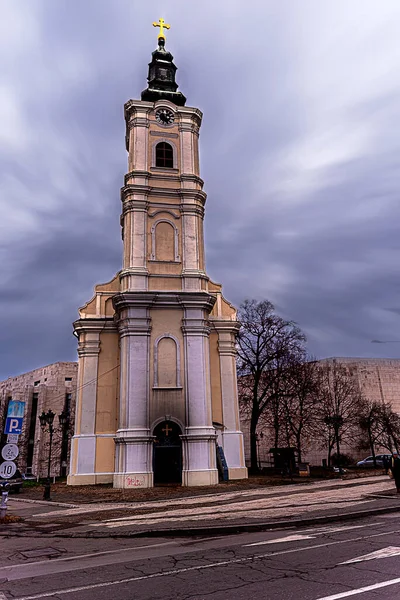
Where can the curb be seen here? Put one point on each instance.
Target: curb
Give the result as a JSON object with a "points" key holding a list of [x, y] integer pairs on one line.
{"points": [[208, 531], [45, 502], [351, 482]]}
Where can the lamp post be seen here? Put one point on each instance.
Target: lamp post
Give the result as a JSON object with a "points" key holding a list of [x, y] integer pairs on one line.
{"points": [[258, 438], [46, 424]]}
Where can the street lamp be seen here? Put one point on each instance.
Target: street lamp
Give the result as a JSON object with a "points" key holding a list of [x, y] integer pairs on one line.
{"points": [[258, 438], [46, 424]]}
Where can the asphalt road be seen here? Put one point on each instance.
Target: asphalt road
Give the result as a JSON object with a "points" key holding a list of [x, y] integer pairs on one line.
{"points": [[359, 559]]}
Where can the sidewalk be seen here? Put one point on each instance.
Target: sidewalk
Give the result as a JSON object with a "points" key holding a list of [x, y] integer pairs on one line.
{"points": [[202, 514]]}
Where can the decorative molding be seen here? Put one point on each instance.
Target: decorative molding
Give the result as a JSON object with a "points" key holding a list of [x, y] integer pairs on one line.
{"points": [[161, 210], [164, 103], [153, 240], [178, 360], [170, 418], [137, 122], [164, 299], [188, 127], [164, 134], [89, 348], [166, 170], [134, 326], [167, 140]]}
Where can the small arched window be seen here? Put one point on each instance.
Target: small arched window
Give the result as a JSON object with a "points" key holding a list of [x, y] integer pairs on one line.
{"points": [[164, 155]]}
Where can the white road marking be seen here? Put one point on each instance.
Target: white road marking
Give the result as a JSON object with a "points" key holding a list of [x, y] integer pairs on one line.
{"points": [[341, 528], [2, 596], [384, 553], [289, 538], [203, 567], [368, 588], [315, 533]]}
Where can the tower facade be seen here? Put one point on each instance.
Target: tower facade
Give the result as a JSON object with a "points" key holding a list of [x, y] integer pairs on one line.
{"points": [[157, 393]]}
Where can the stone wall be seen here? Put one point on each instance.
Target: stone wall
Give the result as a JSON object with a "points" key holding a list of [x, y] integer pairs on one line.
{"points": [[378, 379], [50, 387]]}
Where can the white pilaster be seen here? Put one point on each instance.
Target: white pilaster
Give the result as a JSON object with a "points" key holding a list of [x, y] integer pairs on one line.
{"points": [[82, 469], [232, 437], [199, 455], [133, 463]]}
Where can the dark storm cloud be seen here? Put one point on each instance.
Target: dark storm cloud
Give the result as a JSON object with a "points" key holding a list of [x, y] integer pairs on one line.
{"points": [[299, 151]]}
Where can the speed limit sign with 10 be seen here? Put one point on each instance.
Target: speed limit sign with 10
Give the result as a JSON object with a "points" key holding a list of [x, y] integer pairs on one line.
{"points": [[10, 452], [7, 469]]}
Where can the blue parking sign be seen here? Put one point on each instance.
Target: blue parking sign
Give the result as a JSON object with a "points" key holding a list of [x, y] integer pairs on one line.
{"points": [[13, 425]]}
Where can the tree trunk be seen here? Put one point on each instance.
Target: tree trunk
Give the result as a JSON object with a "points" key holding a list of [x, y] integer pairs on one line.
{"points": [[253, 443], [276, 430], [338, 448], [371, 442], [298, 444], [331, 442]]}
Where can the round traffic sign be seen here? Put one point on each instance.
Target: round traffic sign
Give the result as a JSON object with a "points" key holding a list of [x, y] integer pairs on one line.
{"points": [[10, 452], [7, 469]]}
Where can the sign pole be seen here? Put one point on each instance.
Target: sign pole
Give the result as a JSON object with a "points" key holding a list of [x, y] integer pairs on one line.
{"points": [[10, 451]]}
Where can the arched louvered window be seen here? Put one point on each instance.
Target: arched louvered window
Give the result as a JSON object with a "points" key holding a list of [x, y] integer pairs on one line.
{"points": [[164, 155]]}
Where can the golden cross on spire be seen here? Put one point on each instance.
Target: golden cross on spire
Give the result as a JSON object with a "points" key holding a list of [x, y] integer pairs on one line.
{"points": [[161, 24]]}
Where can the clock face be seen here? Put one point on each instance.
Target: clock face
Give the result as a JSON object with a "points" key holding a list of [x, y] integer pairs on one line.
{"points": [[165, 116]]}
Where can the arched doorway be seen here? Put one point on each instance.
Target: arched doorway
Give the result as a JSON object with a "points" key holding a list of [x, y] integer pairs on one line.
{"points": [[167, 461]]}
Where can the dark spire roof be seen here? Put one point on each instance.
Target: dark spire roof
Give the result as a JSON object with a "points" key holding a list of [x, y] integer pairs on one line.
{"points": [[161, 78]]}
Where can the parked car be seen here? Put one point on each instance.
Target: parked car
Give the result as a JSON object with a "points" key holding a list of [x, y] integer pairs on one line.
{"points": [[380, 461], [15, 482]]}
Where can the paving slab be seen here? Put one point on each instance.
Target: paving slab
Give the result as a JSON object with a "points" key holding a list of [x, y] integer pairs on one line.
{"points": [[226, 512]]}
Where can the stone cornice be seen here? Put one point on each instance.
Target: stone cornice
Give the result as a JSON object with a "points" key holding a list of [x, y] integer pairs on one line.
{"points": [[227, 348], [137, 174], [133, 107], [190, 178], [137, 122], [141, 193], [188, 195], [134, 205], [192, 209], [188, 300], [94, 325], [194, 114], [90, 348], [197, 329], [183, 177], [189, 127], [134, 299], [134, 326], [224, 325], [135, 190], [202, 300]]}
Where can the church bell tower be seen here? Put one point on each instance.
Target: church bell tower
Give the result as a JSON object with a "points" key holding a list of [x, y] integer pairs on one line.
{"points": [[157, 392]]}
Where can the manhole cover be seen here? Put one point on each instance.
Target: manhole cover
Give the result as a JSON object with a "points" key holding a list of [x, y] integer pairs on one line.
{"points": [[39, 552]]}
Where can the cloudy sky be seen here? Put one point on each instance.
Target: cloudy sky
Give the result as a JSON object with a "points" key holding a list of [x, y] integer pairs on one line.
{"points": [[300, 152]]}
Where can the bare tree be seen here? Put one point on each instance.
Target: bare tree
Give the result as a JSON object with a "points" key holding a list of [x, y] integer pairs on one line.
{"points": [[339, 406], [301, 405], [267, 346], [390, 428], [372, 425]]}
